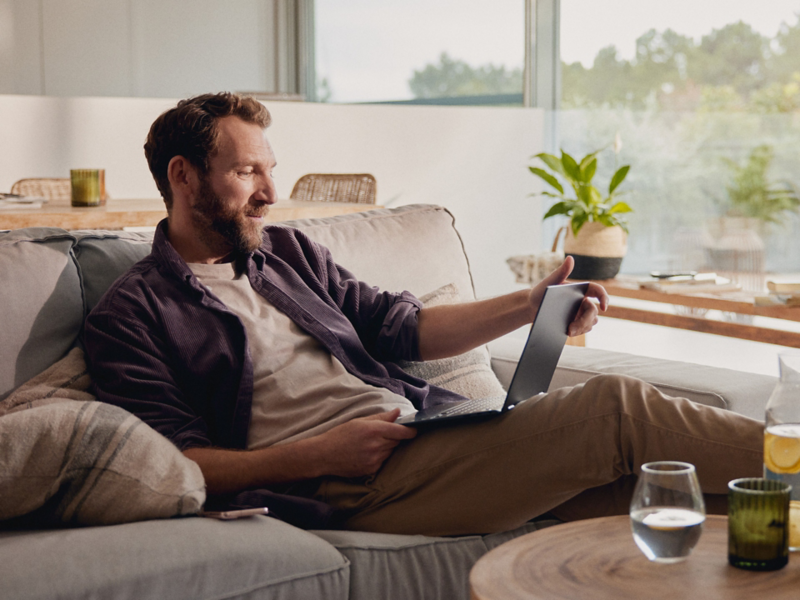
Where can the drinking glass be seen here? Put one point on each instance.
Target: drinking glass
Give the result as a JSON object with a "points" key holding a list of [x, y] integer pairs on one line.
{"points": [[758, 523], [88, 187], [667, 511]]}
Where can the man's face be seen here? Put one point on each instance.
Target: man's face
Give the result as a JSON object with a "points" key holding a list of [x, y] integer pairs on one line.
{"points": [[234, 196]]}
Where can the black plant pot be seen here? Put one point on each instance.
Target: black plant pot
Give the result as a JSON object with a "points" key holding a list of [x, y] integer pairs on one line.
{"points": [[595, 267]]}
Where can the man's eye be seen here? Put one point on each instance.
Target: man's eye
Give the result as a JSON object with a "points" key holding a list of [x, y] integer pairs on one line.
{"points": [[244, 173]]}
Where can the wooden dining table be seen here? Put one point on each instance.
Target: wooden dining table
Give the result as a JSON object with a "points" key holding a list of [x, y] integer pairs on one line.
{"points": [[123, 212]]}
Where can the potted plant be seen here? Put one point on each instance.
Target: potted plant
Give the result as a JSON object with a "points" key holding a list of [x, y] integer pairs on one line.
{"points": [[754, 202], [596, 237], [752, 195]]}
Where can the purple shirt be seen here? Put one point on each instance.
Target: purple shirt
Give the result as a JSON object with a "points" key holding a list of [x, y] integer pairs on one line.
{"points": [[162, 346]]}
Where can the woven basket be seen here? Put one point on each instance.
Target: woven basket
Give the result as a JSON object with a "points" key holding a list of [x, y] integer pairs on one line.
{"points": [[598, 250]]}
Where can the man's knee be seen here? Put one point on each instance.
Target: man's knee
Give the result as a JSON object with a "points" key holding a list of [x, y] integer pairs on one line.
{"points": [[618, 393]]}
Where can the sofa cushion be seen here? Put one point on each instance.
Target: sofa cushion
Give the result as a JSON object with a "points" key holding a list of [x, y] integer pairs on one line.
{"points": [[41, 301], [105, 255], [83, 462], [469, 374], [390, 567], [177, 559], [414, 247], [90, 463]]}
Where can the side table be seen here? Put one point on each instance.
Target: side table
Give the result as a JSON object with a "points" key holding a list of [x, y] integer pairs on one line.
{"points": [[598, 559]]}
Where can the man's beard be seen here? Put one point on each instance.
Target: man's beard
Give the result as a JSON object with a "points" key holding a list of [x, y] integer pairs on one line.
{"points": [[223, 229]]}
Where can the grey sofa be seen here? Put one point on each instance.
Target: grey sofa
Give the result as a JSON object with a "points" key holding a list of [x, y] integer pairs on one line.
{"points": [[51, 278]]}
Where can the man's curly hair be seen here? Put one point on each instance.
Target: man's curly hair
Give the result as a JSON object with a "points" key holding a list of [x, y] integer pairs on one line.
{"points": [[190, 130]]}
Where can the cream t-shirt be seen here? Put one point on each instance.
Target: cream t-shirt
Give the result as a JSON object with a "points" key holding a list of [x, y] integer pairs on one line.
{"points": [[299, 388]]}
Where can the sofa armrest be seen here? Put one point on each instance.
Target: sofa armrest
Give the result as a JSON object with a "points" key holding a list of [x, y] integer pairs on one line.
{"points": [[744, 393]]}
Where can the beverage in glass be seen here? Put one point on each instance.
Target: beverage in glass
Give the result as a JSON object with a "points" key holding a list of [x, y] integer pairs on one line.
{"points": [[782, 438], [667, 511]]}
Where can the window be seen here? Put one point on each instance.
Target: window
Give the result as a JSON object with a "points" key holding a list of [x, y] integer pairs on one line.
{"points": [[706, 100], [420, 51]]}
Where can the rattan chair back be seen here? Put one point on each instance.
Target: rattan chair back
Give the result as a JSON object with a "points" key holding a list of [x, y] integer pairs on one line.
{"points": [[357, 188], [50, 188]]}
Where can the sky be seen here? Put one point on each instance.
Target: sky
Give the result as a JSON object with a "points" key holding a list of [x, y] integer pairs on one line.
{"points": [[368, 49]]}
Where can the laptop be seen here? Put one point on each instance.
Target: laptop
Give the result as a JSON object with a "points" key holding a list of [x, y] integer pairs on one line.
{"points": [[535, 368]]}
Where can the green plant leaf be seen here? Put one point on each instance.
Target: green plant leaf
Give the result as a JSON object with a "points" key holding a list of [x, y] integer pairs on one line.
{"points": [[607, 220], [618, 178], [577, 222], [620, 207], [552, 195], [588, 171], [547, 177], [588, 158], [571, 168], [559, 208], [551, 161]]}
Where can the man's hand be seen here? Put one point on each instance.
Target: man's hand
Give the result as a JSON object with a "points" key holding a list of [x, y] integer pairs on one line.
{"points": [[595, 299], [359, 447]]}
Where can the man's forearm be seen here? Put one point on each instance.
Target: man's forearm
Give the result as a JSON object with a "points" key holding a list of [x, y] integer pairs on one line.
{"points": [[229, 471], [457, 328], [352, 449]]}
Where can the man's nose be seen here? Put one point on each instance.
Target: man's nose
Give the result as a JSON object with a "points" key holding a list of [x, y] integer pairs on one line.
{"points": [[266, 190]]}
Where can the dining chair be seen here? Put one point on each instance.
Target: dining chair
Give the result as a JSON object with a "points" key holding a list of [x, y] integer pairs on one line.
{"points": [[50, 188], [357, 188]]}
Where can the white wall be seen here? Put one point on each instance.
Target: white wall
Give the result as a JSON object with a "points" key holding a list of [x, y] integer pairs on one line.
{"points": [[144, 48], [470, 159]]}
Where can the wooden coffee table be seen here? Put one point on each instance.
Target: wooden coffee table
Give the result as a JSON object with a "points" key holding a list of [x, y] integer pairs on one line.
{"points": [[598, 559]]}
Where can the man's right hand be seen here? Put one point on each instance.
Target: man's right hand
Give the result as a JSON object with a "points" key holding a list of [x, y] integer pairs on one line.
{"points": [[359, 447], [353, 449]]}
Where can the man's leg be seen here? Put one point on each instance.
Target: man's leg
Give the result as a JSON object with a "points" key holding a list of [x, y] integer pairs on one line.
{"points": [[496, 475]]}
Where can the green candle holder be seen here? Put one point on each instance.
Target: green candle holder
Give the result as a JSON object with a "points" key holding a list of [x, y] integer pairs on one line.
{"points": [[758, 524], [88, 187]]}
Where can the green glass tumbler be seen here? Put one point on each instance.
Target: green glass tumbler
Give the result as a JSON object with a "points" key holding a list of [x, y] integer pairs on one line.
{"points": [[758, 523], [88, 187]]}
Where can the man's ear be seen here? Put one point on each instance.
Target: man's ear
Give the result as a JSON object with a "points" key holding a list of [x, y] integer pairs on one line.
{"points": [[182, 177]]}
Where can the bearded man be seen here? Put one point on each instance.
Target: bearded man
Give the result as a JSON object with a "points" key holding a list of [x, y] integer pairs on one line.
{"points": [[274, 368]]}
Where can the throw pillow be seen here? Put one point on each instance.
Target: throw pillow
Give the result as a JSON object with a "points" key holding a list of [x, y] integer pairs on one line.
{"points": [[86, 462], [469, 374]]}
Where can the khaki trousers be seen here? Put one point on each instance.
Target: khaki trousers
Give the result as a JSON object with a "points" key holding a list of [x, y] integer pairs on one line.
{"points": [[574, 453]]}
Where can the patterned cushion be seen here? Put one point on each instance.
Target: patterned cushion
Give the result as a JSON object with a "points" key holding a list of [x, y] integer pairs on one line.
{"points": [[469, 374], [86, 462]]}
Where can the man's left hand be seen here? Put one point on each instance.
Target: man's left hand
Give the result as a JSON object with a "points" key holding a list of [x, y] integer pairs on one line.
{"points": [[595, 300]]}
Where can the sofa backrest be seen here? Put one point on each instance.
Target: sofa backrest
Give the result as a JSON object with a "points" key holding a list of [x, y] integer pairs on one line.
{"points": [[414, 248], [52, 278], [41, 302]]}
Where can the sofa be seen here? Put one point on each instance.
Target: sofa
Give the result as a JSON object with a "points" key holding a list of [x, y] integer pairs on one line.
{"points": [[51, 278]]}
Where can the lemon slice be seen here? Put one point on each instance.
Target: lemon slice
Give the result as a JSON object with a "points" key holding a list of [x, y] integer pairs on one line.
{"points": [[781, 454]]}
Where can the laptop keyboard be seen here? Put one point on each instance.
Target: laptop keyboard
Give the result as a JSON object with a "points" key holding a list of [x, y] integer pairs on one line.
{"points": [[477, 405]]}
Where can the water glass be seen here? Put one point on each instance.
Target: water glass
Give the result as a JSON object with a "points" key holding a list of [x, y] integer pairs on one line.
{"points": [[758, 523], [667, 511]]}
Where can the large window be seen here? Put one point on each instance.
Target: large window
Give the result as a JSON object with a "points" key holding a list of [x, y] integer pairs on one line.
{"points": [[705, 97], [427, 51]]}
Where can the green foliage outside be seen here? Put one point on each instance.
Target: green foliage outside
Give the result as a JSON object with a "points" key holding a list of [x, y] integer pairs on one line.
{"points": [[734, 68], [752, 194], [452, 77]]}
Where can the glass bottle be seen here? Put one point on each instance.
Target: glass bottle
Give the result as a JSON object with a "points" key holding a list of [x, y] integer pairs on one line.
{"points": [[782, 437]]}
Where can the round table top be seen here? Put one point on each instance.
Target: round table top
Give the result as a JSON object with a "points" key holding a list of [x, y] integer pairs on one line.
{"points": [[598, 559]]}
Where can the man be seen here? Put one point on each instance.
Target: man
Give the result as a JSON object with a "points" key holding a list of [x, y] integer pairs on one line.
{"points": [[271, 366]]}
